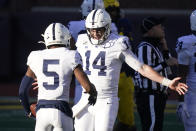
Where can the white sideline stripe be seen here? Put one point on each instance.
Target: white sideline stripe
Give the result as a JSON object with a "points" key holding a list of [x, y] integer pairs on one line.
{"points": [[152, 112], [125, 10]]}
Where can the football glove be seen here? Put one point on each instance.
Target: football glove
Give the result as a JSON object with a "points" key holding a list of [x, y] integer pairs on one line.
{"points": [[92, 95]]}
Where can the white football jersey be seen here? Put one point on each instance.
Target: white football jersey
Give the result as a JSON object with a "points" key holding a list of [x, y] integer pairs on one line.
{"points": [[102, 63], [78, 27], [53, 69], [186, 50]]}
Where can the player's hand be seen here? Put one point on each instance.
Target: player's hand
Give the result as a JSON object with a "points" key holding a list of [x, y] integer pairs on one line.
{"points": [[35, 84], [32, 113], [181, 88], [93, 95]]}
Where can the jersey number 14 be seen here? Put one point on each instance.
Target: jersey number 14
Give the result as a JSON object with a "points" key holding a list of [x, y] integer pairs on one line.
{"points": [[101, 67]]}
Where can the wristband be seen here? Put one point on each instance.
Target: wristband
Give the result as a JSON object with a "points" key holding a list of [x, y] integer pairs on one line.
{"points": [[166, 82]]}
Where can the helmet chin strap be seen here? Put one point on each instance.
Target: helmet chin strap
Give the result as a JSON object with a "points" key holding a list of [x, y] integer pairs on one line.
{"points": [[100, 41], [94, 41]]}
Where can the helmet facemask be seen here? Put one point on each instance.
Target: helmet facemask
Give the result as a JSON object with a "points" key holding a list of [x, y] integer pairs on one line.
{"points": [[104, 35], [98, 19]]}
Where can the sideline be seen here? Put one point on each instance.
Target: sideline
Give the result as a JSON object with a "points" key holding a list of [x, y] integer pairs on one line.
{"points": [[12, 103]]}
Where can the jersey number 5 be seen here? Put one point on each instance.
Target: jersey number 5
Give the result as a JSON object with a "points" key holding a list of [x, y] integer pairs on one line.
{"points": [[101, 67], [50, 74]]}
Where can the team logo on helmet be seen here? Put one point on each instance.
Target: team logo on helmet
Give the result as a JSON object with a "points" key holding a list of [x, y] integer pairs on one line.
{"points": [[57, 34]]}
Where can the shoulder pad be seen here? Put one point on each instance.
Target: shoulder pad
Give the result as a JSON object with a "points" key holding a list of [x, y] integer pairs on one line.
{"points": [[32, 56], [33, 53], [82, 39], [124, 42]]}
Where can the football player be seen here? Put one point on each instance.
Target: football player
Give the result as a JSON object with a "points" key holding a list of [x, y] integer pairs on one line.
{"points": [[102, 55], [53, 67], [78, 27], [186, 50]]}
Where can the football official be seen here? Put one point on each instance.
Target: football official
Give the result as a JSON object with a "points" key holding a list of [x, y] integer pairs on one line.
{"points": [[151, 96]]}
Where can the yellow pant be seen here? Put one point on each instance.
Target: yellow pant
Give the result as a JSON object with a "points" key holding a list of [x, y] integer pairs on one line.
{"points": [[126, 103]]}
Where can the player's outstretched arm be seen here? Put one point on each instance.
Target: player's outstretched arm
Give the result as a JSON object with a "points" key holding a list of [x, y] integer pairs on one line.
{"points": [[86, 84], [174, 84], [150, 73]]}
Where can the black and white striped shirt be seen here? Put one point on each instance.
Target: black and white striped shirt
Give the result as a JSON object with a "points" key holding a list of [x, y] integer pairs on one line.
{"points": [[149, 53]]}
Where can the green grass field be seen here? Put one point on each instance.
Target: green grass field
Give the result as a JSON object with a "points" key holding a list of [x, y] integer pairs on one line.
{"points": [[170, 123], [12, 117]]}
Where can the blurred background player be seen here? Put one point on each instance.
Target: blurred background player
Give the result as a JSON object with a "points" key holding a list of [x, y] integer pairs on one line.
{"points": [[53, 67], [125, 118], [78, 27], [186, 50], [102, 55]]}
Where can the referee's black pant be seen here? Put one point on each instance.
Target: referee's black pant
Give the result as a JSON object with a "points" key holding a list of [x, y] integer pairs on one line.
{"points": [[150, 107]]}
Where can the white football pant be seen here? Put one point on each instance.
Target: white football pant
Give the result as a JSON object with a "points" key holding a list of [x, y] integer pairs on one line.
{"points": [[47, 117], [100, 117], [190, 100]]}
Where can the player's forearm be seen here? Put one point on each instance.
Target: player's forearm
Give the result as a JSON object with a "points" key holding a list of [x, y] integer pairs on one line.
{"points": [[23, 92], [148, 72], [160, 66], [85, 83], [82, 78], [131, 60]]}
